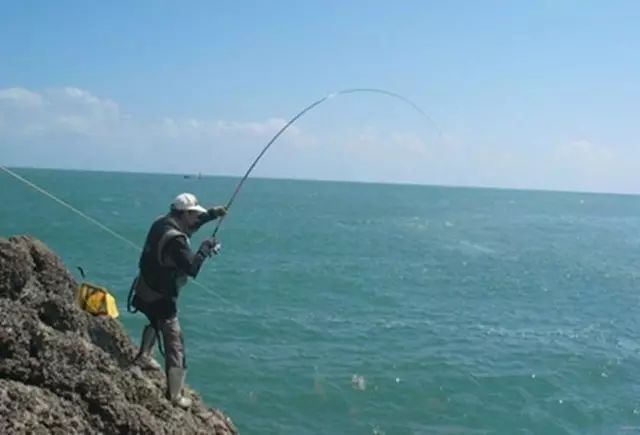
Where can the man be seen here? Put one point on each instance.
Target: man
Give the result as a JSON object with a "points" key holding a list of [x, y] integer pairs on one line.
{"points": [[165, 265]]}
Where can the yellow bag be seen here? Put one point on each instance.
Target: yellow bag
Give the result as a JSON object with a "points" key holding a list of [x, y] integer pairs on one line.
{"points": [[96, 300]]}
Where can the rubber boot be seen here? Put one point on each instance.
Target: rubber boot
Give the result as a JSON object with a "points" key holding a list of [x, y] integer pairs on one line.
{"points": [[145, 356], [175, 382]]}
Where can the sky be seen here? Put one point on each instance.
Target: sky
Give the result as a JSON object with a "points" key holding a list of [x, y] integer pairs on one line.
{"points": [[535, 94]]}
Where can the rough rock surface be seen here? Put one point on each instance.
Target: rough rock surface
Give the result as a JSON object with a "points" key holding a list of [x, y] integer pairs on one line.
{"points": [[64, 371]]}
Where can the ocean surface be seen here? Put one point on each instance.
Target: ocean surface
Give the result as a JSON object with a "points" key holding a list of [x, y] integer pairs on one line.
{"points": [[344, 308]]}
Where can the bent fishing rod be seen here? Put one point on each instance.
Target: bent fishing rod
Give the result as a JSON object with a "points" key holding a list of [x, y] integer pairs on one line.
{"points": [[299, 115]]}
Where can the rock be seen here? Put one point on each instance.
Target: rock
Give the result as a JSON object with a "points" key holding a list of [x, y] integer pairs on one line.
{"points": [[64, 371]]}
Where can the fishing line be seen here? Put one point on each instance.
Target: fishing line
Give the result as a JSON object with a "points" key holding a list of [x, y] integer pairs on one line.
{"points": [[106, 228], [300, 114], [70, 207]]}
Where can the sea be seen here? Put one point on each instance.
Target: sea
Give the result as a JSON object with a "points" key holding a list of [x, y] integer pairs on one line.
{"points": [[356, 308]]}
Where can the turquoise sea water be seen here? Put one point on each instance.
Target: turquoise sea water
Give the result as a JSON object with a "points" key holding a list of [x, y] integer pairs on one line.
{"points": [[381, 309]]}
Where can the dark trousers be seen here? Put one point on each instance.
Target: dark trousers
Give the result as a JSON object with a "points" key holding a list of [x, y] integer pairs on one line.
{"points": [[163, 317]]}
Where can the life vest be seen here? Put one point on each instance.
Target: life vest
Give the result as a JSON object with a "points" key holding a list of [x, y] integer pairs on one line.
{"points": [[96, 300], [158, 273]]}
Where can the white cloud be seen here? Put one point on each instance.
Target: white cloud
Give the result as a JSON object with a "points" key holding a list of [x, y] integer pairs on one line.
{"points": [[60, 126], [586, 156], [20, 98], [57, 111], [78, 94], [577, 165], [71, 110], [71, 127], [583, 164], [198, 129]]}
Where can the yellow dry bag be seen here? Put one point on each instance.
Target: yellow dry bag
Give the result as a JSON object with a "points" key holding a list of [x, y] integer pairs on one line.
{"points": [[96, 300]]}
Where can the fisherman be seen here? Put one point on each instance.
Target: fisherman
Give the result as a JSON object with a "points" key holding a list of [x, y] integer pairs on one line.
{"points": [[165, 265]]}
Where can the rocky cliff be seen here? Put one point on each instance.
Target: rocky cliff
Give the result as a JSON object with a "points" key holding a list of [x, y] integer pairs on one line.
{"points": [[64, 371]]}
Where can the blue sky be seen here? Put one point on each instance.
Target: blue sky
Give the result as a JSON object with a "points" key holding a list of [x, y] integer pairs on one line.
{"points": [[537, 94]]}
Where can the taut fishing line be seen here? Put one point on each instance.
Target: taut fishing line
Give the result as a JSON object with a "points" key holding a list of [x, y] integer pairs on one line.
{"points": [[103, 227]]}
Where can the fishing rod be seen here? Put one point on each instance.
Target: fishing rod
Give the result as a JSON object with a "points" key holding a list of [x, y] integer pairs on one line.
{"points": [[238, 187], [299, 115]]}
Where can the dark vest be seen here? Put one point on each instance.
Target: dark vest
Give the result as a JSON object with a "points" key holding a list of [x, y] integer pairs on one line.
{"points": [[158, 272]]}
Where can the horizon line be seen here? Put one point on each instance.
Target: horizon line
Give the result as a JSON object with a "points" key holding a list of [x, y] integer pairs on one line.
{"points": [[330, 180]]}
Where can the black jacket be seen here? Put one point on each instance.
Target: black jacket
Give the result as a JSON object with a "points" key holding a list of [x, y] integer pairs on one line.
{"points": [[167, 259]]}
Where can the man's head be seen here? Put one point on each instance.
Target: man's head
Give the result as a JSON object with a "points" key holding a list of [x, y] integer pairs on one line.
{"points": [[187, 210]]}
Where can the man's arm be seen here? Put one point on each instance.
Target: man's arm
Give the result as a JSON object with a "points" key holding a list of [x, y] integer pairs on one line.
{"points": [[184, 258], [212, 214]]}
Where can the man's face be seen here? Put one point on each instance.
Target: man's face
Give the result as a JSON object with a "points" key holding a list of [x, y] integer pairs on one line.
{"points": [[191, 219]]}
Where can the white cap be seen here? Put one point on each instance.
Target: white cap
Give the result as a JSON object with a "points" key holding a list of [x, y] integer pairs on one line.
{"points": [[187, 202]]}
